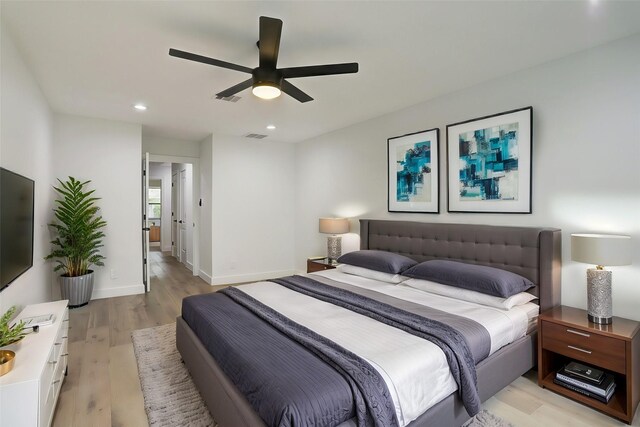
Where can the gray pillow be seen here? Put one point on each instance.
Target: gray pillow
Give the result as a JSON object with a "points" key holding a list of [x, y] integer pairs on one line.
{"points": [[479, 278], [386, 262]]}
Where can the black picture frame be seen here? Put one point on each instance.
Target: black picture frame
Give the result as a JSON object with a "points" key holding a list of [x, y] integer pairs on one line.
{"points": [[505, 186], [417, 196]]}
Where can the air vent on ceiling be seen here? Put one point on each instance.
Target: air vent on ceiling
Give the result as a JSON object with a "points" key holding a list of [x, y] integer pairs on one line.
{"points": [[231, 98], [255, 136]]}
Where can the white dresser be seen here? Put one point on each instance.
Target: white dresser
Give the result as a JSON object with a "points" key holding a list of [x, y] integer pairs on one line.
{"points": [[28, 394]]}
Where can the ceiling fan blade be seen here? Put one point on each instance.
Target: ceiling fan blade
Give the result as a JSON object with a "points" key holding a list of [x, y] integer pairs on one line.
{"points": [[319, 70], [269, 44], [205, 60], [294, 92], [235, 89]]}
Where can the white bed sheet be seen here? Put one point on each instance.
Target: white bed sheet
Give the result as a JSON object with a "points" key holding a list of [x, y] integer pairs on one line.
{"points": [[415, 370], [504, 326]]}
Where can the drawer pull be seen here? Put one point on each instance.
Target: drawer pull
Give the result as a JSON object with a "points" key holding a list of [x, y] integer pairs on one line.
{"points": [[579, 349], [53, 363], [64, 338], [571, 331], [56, 381], [58, 343], [64, 355]]}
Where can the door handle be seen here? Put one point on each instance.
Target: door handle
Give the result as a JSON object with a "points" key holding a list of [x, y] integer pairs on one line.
{"points": [[146, 229], [180, 221]]}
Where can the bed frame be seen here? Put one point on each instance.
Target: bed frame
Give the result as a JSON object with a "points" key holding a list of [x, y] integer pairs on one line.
{"points": [[534, 253]]}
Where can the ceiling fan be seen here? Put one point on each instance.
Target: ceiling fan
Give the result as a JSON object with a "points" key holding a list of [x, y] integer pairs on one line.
{"points": [[267, 80]]}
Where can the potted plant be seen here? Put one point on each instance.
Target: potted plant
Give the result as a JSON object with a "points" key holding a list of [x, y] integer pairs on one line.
{"points": [[9, 335], [77, 246]]}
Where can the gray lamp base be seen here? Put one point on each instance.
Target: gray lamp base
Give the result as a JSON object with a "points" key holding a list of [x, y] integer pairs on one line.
{"points": [[599, 306], [334, 247]]}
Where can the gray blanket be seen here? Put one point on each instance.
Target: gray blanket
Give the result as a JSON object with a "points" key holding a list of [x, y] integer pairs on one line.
{"points": [[285, 383], [373, 403], [452, 342]]}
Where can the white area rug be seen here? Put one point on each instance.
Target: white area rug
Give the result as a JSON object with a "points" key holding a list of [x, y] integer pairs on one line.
{"points": [[485, 418], [170, 397]]}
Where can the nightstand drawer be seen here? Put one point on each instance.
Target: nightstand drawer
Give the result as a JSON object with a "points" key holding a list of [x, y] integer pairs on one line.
{"points": [[318, 265], [606, 352]]}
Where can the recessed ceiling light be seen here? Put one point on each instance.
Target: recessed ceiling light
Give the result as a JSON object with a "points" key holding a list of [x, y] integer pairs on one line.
{"points": [[271, 127], [140, 107]]}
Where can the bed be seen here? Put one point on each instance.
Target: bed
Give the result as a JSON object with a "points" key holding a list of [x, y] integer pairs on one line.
{"points": [[533, 253]]}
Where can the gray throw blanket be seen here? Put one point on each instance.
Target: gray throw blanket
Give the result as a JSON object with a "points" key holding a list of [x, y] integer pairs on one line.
{"points": [[374, 405], [452, 342]]}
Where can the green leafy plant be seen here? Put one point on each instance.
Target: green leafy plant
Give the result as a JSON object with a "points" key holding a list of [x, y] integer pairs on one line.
{"points": [[79, 229], [10, 334]]}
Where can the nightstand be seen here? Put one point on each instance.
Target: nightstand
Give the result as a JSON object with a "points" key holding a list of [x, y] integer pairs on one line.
{"points": [[319, 264], [565, 334]]}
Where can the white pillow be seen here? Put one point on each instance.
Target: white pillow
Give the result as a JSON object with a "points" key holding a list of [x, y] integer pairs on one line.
{"points": [[471, 296], [371, 274]]}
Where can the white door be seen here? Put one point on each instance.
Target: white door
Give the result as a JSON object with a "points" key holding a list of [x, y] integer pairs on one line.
{"points": [[145, 222], [174, 215], [182, 216]]}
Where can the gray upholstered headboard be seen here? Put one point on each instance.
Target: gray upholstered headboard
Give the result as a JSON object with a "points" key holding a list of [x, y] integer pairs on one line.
{"points": [[534, 253]]}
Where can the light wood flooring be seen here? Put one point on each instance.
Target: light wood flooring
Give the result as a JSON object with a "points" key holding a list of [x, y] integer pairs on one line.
{"points": [[102, 387]]}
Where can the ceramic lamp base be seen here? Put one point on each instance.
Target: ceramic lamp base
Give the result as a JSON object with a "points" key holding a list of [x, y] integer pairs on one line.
{"points": [[334, 247], [599, 306]]}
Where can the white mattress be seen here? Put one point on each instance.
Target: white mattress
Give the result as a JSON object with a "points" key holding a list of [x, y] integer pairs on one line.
{"points": [[415, 370]]}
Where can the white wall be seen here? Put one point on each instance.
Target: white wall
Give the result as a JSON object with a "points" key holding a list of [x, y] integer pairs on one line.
{"points": [[206, 195], [586, 153], [170, 147], [162, 172], [253, 202], [26, 148], [107, 153]]}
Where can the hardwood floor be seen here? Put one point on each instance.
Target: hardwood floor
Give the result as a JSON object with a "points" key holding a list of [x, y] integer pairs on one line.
{"points": [[102, 387]]}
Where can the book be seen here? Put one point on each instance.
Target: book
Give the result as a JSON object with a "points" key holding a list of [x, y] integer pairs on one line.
{"points": [[601, 389], [603, 399], [586, 372]]}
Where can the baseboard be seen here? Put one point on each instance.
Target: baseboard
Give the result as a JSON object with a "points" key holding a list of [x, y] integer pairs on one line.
{"points": [[251, 277], [117, 292], [206, 277], [189, 266]]}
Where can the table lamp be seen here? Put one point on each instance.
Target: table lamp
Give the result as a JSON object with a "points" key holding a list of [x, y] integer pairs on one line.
{"points": [[334, 226], [601, 250]]}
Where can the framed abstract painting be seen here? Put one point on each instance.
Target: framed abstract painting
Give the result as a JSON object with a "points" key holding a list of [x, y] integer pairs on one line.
{"points": [[489, 163], [413, 172]]}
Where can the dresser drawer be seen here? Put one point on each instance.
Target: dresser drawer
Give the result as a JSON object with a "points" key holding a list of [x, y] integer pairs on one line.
{"points": [[599, 350]]}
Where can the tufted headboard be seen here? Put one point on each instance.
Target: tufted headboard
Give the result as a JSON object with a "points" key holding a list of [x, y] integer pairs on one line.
{"points": [[532, 252]]}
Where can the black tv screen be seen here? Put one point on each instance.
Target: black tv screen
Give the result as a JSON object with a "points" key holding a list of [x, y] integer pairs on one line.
{"points": [[16, 226]]}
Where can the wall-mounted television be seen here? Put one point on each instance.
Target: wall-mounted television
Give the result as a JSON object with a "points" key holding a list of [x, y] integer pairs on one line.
{"points": [[16, 226]]}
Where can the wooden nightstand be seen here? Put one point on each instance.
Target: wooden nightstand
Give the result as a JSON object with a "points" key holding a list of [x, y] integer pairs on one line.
{"points": [[565, 334], [319, 264]]}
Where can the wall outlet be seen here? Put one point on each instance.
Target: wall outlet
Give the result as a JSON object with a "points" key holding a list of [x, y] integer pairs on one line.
{"points": [[114, 274]]}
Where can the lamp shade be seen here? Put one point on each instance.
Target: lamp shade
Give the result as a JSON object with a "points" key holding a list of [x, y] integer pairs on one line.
{"points": [[601, 249], [334, 225]]}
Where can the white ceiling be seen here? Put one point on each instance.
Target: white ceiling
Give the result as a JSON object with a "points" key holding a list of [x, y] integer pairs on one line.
{"points": [[99, 58]]}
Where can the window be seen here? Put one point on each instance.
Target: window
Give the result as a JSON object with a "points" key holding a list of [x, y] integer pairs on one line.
{"points": [[155, 206]]}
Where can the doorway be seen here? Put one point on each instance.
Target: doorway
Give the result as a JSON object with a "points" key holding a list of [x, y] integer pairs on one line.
{"points": [[170, 215]]}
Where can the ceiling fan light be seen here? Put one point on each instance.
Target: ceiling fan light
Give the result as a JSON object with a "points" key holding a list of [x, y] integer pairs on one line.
{"points": [[266, 91]]}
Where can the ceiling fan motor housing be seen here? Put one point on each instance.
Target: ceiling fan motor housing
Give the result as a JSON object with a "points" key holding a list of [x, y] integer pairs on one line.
{"points": [[266, 77]]}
